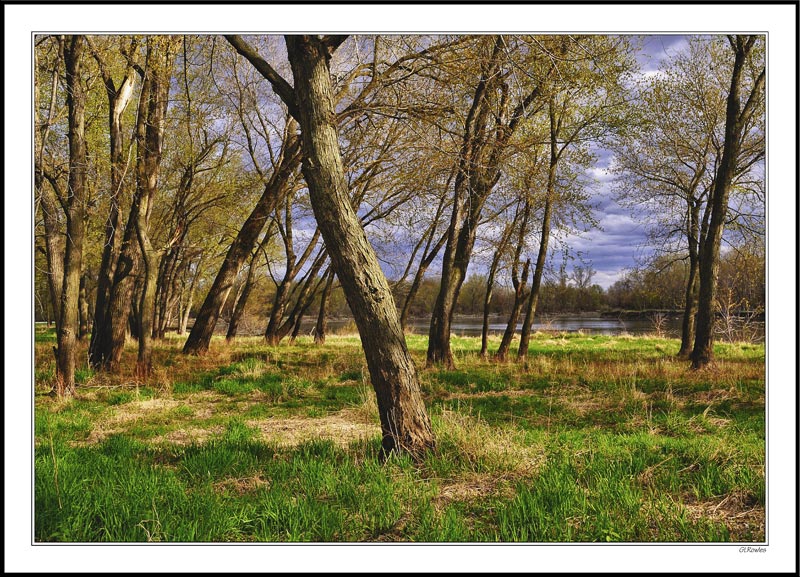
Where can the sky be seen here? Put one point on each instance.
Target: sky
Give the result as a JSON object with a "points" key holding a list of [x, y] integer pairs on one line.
{"points": [[619, 240]]}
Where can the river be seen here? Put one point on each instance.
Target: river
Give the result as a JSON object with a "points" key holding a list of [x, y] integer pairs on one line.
{"points": [[589, 323]]}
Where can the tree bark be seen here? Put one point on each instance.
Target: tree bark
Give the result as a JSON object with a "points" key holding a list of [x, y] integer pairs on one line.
{"points": [[404, 420], [122, 291], [83, 309], [76, 210]]}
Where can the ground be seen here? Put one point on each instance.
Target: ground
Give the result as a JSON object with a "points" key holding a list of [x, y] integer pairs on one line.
{"points": [[595, 438]]}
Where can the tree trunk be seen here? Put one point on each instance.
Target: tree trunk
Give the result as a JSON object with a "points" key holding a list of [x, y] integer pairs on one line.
{"points": [[735, 120], [404, 420], [511, 327], [149, 139], [76, 210], [241, 302], [690, 297], [118, 100], [83, 309], [322, 318], [271, 334], [541, 257], [487, 299], [277, 187], [122, 291], [520, 283]]}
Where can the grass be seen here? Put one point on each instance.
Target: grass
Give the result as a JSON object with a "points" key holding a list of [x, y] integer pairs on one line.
{"points": [[594, 439]]}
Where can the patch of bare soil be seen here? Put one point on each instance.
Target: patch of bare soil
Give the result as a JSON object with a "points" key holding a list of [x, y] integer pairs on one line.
{"points": [[241, 485], [741, 514], [474, 487], [342, 428], [120, 417]]}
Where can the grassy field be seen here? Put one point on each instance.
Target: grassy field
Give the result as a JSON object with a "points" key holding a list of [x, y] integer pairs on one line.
{"points": [[597, 438]]}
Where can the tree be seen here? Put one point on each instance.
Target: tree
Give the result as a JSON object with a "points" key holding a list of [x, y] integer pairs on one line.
{"points": [[74, 50], [519, 281], [277, 181], [490, 282], [247, 287], [488, 128], [275, 189], [737, 117], [46, 183], [666, 158], [118, 99], [404, 421]]}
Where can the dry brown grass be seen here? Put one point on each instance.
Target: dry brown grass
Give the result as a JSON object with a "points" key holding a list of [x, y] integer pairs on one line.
{"points": [[744, 518], [241, 485], [342, 428], [500, 450]]}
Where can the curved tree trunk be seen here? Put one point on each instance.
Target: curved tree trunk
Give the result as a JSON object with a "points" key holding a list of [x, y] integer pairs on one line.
{"points": [[511, 327], [404, 421], [520, 283]]}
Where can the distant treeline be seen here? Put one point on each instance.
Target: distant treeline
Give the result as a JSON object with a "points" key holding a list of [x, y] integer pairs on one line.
{"points": [[656, 288]]}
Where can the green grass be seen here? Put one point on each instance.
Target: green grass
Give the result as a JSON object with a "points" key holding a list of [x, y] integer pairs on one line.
{"points": [[594, 439]]}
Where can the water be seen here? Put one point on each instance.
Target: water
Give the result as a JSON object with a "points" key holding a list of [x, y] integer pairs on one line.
{"points": [[590, 323]]}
